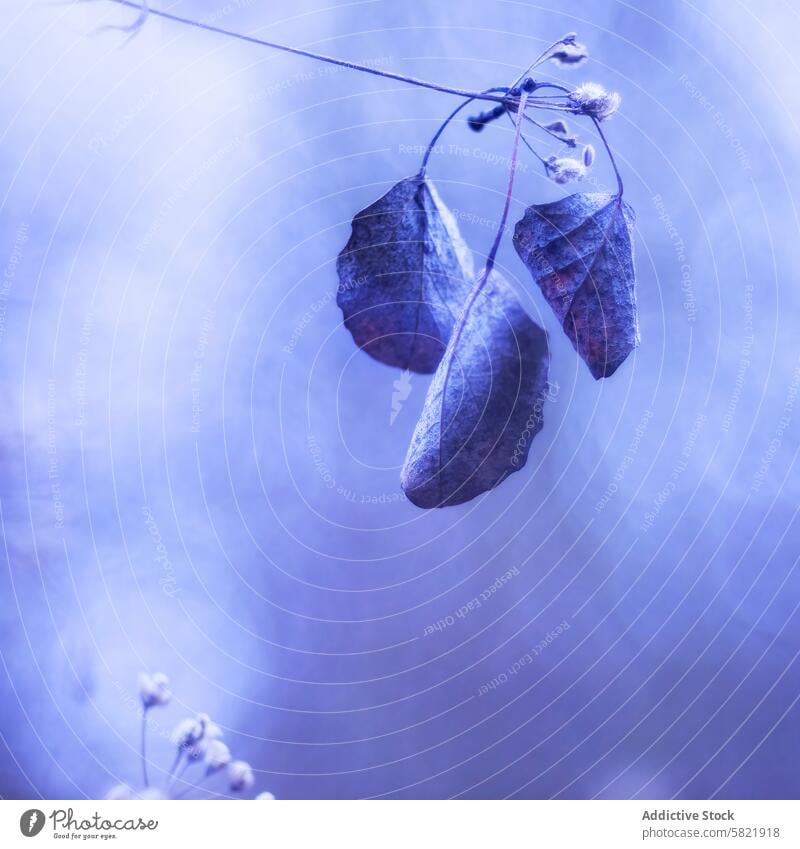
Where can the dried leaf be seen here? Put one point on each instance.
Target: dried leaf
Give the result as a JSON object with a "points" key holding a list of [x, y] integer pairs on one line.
{"points": [[404, 276], [580, 253], [484, 404]]}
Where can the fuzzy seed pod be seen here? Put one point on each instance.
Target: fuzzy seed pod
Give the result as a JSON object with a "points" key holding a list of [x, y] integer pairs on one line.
{"points": [[564, 170], [593, 100]]}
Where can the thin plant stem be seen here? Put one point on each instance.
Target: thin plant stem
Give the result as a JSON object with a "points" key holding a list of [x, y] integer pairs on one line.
{"points": [[533, 150], [620, 186], [552, 85], [320, 57], [444, 125], [439, 132], [542, 127], [191, 787], [171, 775], [537, 61], [488, 94], [492, 255], [144, 747], [490, 259], [530, 147], [602, 135], [559, 107], [181, 772]]}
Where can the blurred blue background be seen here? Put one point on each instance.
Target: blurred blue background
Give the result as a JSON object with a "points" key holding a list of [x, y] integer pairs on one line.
{"points": [[201, 472]]}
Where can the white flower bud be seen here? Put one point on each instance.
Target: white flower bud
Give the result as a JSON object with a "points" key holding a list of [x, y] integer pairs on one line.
{"points": [[564, 170], [217, 756], [240, 775], [593, 100], [187, 733], [192, 736], [212, 730], [154, 689], [266, 796]]}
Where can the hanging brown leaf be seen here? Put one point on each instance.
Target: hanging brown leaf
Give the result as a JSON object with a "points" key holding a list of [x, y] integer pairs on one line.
{"points": [[484, 405], [403, 277], [580, 253]]}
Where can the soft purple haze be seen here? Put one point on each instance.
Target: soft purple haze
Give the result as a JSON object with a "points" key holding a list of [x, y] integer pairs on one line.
{"points": [[201, 470]]}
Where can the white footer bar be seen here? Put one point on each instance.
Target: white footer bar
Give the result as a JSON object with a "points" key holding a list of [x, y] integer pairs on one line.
{"points": [[403, 824]]}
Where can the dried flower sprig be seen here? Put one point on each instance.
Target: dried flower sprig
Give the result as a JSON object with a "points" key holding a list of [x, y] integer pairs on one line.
{"points": [[154, 692], [411, 297], [196, 740]]}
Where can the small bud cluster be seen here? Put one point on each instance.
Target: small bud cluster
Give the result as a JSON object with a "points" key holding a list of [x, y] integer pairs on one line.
{"points": [[588, 99], [197, 739], [154, 690]]}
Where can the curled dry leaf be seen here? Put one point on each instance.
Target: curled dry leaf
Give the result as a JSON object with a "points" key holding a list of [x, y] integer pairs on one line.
{"points": [[484, 404], [404, 276], [580, 253]]}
